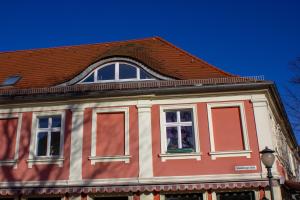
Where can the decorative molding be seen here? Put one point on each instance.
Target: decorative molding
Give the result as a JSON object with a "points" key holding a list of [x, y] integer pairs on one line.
{"points": [[94, 158], [14, 161], [221, 154], [178, 156], [149, 180], [163, 135], [213, 153], [46, 161]]}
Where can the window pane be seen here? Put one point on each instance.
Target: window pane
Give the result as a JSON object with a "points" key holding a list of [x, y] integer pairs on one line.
{"points": [[145, 75], [184, 196], [106, 73], [89, 79], [127, 72], [187, 137], [56, 121], [42, 144], [55, 143], [171, 116], [247, 195], [43, 122], [186, 116], [172, 138], [45, 198]]}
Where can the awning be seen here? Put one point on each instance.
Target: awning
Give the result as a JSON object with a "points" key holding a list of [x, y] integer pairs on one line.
{"points": [[131, 188], [293, 185]]}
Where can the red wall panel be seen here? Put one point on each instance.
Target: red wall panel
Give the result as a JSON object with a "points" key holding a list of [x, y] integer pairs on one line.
{"points": [[8, 136], [227, 125], [110, 134], [110, 169]]}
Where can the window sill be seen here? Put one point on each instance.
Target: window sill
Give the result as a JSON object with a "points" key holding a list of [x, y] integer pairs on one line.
{"points": [[8, 163], [45, 161], [178, 156], [95, 159], [222, 154]]}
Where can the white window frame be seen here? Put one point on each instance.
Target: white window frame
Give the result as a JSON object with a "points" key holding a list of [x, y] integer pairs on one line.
{"points": [[17, 116], [33, 158], [246, 152], [163, 135], [114, 158], [117, 74]]}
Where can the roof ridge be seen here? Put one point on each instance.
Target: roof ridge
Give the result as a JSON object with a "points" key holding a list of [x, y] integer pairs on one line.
{"points": [[78, 45], [191, 55]]}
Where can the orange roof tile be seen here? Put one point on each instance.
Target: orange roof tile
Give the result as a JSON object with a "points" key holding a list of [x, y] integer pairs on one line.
{"points": [[52, 66]]}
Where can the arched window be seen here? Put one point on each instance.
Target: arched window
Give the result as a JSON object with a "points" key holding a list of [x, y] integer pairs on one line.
{"points": [[117, 71]]}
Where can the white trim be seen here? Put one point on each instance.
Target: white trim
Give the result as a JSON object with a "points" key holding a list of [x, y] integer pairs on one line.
{"points": [[33, 158], [17, 116], [94, 158], [163, 135], [246, 152]]}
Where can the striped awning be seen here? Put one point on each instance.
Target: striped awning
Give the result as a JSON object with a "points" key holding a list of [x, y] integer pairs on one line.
{"points": [[131, 188]]}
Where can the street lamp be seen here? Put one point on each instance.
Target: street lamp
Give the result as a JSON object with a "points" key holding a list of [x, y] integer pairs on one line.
{"points": [[268, 158]]}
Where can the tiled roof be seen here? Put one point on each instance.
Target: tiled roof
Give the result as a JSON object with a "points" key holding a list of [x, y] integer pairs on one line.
{"points": [[52, 66]]}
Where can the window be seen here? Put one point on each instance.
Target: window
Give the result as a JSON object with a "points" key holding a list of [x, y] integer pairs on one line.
{"points": [[236, 196], [112, 198], [179, 132], [191, 196], [47, 138], [179, 129], [228, 130], [117, 71], [110, 135], [47, 198]]}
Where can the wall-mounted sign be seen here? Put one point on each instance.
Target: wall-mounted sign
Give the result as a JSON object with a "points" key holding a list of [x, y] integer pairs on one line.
{"points": [[244, 168]]}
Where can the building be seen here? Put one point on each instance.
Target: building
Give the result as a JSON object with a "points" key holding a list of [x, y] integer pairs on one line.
{"points": [[139, 119]]}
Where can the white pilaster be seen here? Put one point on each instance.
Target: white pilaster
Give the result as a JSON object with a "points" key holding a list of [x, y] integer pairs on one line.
{"points": [[76, 144], [277, 193], [262, 122], [146, 196], [263, 129], [145, 139]]}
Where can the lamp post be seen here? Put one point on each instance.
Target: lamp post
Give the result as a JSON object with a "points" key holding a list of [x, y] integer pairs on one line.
{"points": [[268, 158]]}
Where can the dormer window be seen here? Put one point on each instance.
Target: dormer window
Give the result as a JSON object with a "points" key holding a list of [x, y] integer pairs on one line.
{"points": [[117, 71], [11, 80]]}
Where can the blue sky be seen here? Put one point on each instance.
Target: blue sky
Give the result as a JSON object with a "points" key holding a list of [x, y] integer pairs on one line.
{"points": [[257, 37]]}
